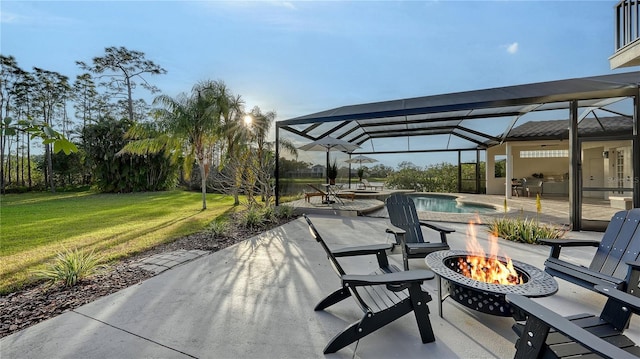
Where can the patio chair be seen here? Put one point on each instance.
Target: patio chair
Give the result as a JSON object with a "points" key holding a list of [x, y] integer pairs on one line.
{"points": [[384, 295], [367, 185], [620, 244], [406, 227], [580, 335]]}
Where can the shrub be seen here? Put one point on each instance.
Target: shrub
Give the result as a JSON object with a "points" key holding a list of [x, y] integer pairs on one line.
{"points": [[219, 227], [523, 230], [284, 211], [70, 267], [251, 218], [269, 214]]}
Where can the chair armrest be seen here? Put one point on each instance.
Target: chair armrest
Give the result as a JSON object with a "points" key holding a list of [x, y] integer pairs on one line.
{"points": [[569, 242], [398, 233], [379, 250], [436, 227], [557, 244], [395, 230], [562, 325], [443, 230], [412, 276], [361, 250], [634, 265], [627, 299]]}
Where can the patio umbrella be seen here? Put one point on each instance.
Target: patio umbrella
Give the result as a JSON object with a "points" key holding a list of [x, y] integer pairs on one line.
{"points": [[327, 144], [360, 159]]}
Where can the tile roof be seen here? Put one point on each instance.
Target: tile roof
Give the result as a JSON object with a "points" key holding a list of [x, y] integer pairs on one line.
{"points": [[557, 129]]}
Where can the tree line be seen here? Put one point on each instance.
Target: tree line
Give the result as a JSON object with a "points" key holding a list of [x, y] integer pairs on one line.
{"points": [[117, 142], [440, 177]]}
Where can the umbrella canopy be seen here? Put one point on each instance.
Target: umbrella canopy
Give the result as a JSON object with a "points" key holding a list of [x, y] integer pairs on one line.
{"points": [[361, 159], [327, 144]]}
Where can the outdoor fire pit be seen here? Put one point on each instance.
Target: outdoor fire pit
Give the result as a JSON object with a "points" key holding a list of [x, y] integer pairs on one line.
{"points": [[486, 297]]}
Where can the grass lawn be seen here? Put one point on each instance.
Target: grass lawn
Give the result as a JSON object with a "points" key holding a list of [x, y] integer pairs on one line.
{"points": [[34, 227]]}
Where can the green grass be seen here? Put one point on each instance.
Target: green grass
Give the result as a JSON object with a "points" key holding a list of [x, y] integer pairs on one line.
{"points": [[35, 227]]}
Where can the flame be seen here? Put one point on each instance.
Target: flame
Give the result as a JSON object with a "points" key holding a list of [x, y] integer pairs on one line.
{"points": [[486, 268]]}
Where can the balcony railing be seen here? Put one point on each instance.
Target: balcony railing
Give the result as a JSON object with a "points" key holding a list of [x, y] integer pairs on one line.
{"points": [[627, 23]]}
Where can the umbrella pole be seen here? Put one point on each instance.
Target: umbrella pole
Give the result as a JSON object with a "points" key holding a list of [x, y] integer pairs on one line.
{"points": [[327, 170]]}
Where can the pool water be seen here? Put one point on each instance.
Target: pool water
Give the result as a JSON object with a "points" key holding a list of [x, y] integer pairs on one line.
{"points": [[448, 204]]}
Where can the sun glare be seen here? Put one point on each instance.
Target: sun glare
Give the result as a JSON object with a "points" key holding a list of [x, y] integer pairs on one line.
{"points": [[248, 120]]}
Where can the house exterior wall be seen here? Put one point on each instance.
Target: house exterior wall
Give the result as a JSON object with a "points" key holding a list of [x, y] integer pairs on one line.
{"points": [[553, 169], [598, 170]]}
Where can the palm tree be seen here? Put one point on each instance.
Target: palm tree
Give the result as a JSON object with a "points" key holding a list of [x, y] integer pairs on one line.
{"points": [[264, 150], [190, 126], [231, 136]]}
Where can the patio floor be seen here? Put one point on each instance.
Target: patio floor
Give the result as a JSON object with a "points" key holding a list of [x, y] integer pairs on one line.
{"points": [[256, 299]]}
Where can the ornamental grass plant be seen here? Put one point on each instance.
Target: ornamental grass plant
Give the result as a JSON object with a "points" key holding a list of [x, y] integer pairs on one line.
{"points": [[256, 216], [525, 230], [219, 227], [70, 267]]}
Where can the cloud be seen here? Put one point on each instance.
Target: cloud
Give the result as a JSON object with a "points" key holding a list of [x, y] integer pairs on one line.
{"points": [[512, 48], [35, 18], [285, 4], [11, 18]]}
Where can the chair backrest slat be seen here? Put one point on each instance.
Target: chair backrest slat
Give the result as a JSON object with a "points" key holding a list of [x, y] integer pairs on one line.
{"points": [[403, 214], [632, 253], [608, 239], [619, 246], [314, 233], [336, 265]]}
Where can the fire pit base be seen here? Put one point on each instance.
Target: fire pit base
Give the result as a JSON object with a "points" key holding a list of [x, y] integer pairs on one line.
{"points": [[488, 303], [485, 297]]}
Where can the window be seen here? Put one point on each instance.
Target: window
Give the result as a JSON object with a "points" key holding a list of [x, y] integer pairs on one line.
{"points": [[544, 153], [500, 168]]}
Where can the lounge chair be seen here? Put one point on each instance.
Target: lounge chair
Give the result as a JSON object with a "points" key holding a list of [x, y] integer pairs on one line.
{"points": [[581, 335], [620, 244], [367, 185], [327, 194], [384, 295], [406, 227]]}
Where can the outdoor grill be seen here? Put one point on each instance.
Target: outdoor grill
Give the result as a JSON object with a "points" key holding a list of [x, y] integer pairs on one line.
{"points": [[485, 297]]}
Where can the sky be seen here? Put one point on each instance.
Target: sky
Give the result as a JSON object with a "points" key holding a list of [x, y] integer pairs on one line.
{"points": [[302, 57]]}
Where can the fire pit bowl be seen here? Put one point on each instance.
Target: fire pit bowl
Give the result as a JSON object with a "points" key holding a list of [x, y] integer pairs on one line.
{"points": [[486, 297]]}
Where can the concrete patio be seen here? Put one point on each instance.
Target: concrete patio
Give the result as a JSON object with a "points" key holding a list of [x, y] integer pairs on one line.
{"points": [[256, 299]]}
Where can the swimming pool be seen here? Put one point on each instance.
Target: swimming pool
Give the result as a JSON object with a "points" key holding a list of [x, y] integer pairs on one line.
{"points": [[445, 203]]}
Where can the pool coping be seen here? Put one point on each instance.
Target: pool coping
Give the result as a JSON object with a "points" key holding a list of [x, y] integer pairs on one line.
{"points": [[460, 199]]}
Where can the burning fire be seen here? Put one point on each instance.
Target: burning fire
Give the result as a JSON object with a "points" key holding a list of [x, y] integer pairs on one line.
{"points": [[483, 267]]}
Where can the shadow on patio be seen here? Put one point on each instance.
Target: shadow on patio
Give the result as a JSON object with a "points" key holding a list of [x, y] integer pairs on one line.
{"points": [[256, 299]]}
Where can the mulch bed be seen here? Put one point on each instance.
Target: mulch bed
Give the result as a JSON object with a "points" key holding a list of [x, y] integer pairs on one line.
{"points": [[35, 304]]}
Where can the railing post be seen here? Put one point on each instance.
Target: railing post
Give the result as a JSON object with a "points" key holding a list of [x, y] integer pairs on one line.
{"points": [[627, 14]]}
